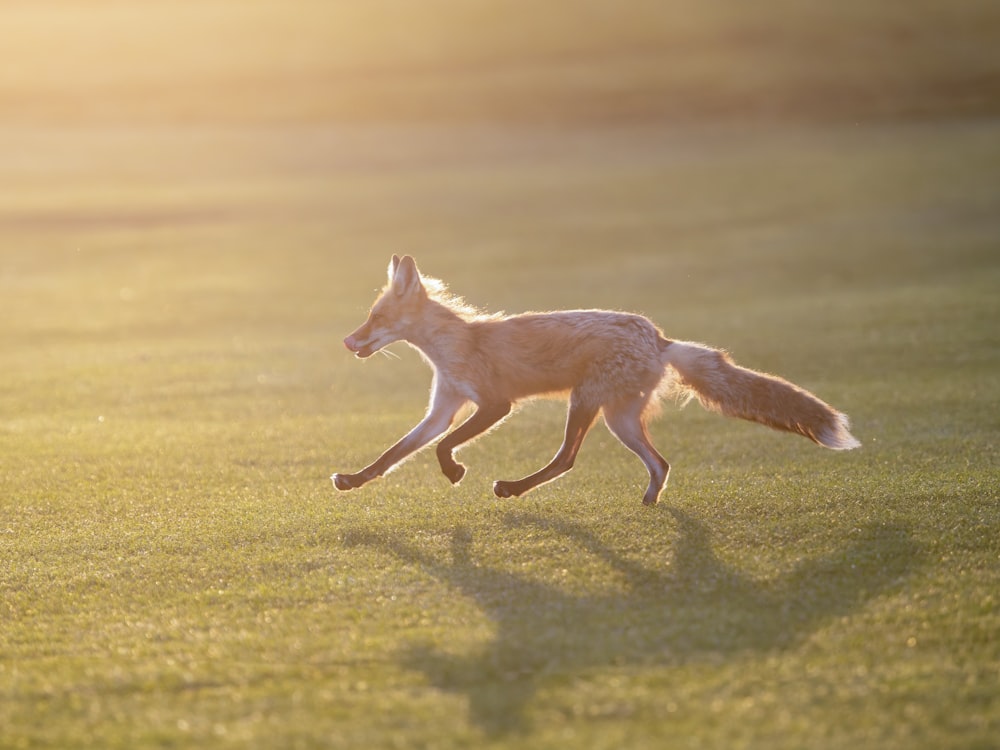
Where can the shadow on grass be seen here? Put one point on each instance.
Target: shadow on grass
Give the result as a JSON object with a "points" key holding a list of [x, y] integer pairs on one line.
{"points": [[694, 608]]}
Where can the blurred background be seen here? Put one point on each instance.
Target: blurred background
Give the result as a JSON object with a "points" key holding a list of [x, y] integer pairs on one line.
{"points": [[264, 62], [180, 171]]}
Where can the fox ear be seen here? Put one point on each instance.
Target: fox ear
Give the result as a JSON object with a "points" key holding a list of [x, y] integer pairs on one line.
{"points": [[393, 265], [405, 277]]}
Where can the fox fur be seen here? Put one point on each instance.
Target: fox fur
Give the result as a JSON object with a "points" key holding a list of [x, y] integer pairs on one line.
{"points": [[611, 363]]}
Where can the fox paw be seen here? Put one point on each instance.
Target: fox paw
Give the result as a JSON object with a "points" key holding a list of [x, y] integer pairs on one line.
{"points": [[505, 489], [455, 471], [344, 482]]}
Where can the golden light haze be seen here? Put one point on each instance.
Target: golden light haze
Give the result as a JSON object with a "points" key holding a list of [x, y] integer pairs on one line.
{"points": [[304, 61]]}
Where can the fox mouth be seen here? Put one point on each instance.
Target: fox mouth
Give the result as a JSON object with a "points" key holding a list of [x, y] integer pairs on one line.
{"points": [[362, 350]]}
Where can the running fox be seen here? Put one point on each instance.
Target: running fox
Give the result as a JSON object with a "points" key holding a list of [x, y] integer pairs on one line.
{"points": [[610, 362]]}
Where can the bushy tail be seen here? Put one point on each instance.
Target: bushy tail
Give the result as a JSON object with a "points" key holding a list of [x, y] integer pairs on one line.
{"points": [[721, 385]]}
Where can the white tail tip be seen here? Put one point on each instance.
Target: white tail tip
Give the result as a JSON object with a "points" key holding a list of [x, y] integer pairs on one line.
{"points": [[839, 437]]}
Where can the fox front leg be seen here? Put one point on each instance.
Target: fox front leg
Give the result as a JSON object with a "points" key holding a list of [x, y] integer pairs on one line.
{"points": [[442, 412], [418, 437], [487, 415], [344, 482]]}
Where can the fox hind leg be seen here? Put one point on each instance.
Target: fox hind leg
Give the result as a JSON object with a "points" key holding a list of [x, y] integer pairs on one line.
{"points": [[625, 420], [578, 423]]}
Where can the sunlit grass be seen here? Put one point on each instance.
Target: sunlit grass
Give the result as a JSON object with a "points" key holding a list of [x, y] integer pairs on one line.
{"points": [[178, 570], [198, 203]]}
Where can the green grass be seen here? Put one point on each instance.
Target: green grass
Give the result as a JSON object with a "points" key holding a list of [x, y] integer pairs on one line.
{"points": [[181, 253], [178, 571]]}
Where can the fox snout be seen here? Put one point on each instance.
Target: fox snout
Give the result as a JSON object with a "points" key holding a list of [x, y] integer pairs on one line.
{"points": [[362, 344], [356, 346]]}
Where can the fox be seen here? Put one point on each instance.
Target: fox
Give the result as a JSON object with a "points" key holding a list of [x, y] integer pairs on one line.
{"points": [[613, 364]]}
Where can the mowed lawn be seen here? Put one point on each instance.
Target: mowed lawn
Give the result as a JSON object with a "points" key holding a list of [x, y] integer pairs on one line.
{"points": [[177, 570]]}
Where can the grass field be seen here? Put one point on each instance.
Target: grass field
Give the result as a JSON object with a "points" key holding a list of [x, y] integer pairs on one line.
{"points": [[177, 272]]}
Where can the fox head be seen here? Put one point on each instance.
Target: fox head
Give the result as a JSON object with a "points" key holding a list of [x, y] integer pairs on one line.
{"points": [[393, 312]]}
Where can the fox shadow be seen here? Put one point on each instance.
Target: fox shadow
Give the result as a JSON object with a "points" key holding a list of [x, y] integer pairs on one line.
{"points": [[694, 607]]}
